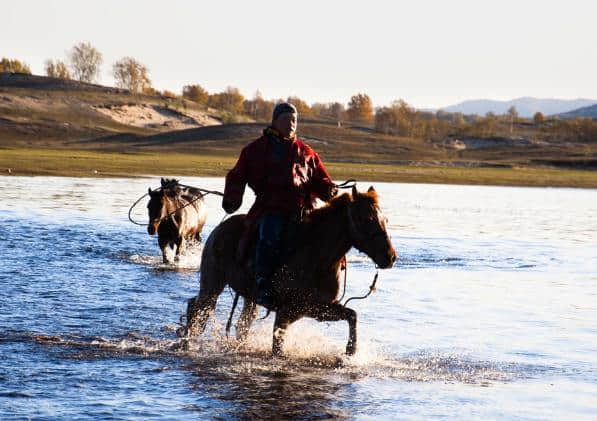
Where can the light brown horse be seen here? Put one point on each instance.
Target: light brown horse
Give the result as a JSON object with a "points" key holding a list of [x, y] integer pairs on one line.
{"points": [[177, 214], [308, 282]]}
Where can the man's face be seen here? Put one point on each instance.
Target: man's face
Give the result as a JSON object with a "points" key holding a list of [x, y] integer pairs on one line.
{"points": [[286, 124]]}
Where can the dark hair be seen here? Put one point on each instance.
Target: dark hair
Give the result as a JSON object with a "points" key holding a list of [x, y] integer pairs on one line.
{"points": [[283, 107]]}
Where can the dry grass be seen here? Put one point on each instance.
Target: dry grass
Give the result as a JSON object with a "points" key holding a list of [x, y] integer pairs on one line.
{"points": [[24, 161]]}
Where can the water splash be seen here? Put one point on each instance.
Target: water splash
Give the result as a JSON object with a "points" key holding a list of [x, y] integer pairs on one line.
{"points": [[307, 350], [189, 260]]}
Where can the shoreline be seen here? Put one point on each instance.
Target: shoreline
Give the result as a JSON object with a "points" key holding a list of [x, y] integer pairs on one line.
{"points": [[89, 163]]}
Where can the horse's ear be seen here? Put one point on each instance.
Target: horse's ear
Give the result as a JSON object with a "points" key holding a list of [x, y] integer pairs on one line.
{"points": [[371, 189], [162, 182], [354, 192], [149, 190]]}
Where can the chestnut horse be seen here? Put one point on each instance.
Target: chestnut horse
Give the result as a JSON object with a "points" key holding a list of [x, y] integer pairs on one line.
{"points": [[177, 213], [308, 281]]}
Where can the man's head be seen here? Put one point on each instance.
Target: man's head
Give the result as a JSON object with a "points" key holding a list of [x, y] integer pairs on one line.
{"points": [[284, 119]]}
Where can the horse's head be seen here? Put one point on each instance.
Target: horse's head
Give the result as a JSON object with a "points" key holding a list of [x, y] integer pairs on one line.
{"points": [[367, 227], [155, 209], [158, 207]]}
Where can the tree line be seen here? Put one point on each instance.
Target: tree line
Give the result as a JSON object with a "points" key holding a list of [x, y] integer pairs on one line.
{"points": [[83, 63]]}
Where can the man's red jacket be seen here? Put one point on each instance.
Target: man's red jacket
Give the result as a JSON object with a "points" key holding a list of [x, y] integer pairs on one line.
{"points": [[286, 175]]}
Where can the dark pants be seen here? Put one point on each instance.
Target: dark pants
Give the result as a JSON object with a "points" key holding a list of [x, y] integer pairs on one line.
{"points": [[270, 241]]}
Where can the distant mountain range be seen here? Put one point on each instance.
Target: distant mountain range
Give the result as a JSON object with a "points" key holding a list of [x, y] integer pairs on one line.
{"points": [[526, 106], [590, 111]]}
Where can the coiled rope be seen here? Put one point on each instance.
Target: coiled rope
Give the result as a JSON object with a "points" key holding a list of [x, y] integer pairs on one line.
{"points": [[201, 196]]}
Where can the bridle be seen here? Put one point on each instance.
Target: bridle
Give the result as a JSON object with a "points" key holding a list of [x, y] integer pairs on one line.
{"points": [[357, 232], [359, 239], [168, 202]]}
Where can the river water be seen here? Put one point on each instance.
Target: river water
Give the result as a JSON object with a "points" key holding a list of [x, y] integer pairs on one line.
{"points": [[489, 312]]}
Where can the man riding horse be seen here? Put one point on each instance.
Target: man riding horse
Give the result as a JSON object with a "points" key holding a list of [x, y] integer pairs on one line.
{"points": [[286, 176]]}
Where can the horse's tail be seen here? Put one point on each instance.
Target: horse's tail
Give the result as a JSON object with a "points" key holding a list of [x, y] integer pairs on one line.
{"points": [[229, 324]]}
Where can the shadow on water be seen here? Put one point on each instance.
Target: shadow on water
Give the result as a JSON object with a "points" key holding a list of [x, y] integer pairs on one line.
{"points": [[270, 393]]}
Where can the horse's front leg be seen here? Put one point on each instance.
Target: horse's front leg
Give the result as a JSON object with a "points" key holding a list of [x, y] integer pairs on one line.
{"points": [[164, 248], [284, 318], [334, 312], [180, 246]]}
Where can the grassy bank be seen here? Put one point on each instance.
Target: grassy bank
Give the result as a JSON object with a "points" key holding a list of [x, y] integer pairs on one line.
{"points": [[60, 162]]}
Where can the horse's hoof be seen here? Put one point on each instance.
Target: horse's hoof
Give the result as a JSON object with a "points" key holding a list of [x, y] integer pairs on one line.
{"points": [[277, 352], [351, 349], [339, 363], [183, 345], [182, 332]]}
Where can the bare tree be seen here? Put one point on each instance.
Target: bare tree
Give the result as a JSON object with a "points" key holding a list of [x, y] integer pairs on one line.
{"points": [[513, 114], [85, 62], [57, 69], [131, 75]]}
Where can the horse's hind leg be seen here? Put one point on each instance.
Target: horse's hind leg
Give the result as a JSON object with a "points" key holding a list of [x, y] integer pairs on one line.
{"points": [[199, 309], [246, 319], [335, 312]]}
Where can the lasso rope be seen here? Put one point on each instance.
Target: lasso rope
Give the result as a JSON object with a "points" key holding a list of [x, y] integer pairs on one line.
{"points": [[348, 184], [201, 196]]}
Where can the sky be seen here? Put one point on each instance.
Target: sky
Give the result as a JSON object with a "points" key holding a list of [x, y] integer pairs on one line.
{"points": [[430, 53]]}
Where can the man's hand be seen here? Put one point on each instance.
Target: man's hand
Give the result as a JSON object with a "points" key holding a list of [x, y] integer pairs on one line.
{"points": [[228, 206], [333, 190]]}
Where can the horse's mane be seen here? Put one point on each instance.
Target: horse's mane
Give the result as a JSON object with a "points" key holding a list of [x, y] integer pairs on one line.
{"points": [[185, 192], [337, 205]]}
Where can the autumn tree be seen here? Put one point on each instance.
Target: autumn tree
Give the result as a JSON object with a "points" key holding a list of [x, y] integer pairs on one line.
{"points": [[399, 119], [85, 62], [538, 117], [14, 66], [458, 119], [230, 100], [168, 94], [360, 108], [302, 107], [337, 111], [331, 110], [130, 74], [259, 108], [195, 93], [57, 69]]}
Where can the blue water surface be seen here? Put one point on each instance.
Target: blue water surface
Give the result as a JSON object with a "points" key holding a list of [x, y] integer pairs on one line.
{"points": [[489, 313]]}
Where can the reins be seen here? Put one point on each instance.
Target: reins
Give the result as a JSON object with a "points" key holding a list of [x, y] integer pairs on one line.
{"points": [[371, 289], [348, 184], [201, 196]]}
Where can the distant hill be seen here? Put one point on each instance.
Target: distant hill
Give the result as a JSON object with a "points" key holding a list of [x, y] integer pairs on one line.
{"points": [[526, 106], [590, 111], [26, 81]]}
